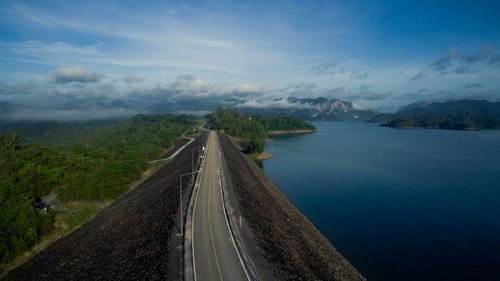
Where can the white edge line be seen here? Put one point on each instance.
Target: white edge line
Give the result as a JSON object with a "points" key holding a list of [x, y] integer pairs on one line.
{"points": [[227, 222]]}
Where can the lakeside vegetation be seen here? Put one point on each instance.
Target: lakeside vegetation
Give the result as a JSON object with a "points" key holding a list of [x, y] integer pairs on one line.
{"points": [[95, 166], [449, 121], [254, 126], [252, 130], [451, 115], [55, 134]]}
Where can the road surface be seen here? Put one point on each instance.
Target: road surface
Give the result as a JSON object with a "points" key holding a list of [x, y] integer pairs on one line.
{"points": [[215, 255]]}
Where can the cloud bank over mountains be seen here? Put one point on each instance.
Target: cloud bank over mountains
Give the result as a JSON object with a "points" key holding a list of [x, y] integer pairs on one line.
{"points": [[77, 93], [128, 57]]}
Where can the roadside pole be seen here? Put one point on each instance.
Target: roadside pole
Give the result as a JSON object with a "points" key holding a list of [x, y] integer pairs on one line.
{"points": [[180, 196]]}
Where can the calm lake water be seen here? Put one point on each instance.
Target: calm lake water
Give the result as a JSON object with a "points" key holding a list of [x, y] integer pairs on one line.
{"points": [[400, 204]]}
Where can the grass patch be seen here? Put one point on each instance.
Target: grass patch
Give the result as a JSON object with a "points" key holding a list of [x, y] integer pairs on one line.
{"points": [[65, 222], [77, 214], [255, 158]]}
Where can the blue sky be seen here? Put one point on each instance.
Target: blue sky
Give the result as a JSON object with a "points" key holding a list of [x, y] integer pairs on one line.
{"points": [[377, 54]]}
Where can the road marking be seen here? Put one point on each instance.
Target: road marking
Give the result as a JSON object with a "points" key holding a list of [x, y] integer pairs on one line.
{"points": [[202, 166], [209, 221], [226, 216]]}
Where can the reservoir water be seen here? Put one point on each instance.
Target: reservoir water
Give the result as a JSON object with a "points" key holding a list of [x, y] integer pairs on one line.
{"points": [[399, 204]]}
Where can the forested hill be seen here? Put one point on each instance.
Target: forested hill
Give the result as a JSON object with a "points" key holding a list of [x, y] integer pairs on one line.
{"points": [[315, 109], [450, 121], [458, 107], [455, 115], [99, 166], [254, 126], [56, 134], [253, 129]]}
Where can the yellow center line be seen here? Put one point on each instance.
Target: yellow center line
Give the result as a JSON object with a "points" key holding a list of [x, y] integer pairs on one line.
{"points": [[209, 221]]}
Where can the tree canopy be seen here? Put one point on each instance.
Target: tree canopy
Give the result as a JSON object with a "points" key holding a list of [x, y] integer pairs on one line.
{"points": [[254, 126], [450, 121], [97, 166]]}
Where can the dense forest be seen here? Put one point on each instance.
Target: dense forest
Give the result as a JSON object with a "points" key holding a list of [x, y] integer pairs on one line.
{"points": [[253, 129], [451, 115], [97, 166], [450, 121], [254, 126], [56, 134], [236, 124]]}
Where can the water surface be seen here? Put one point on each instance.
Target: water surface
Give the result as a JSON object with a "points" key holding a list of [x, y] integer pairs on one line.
{"points": [[400, 204]]}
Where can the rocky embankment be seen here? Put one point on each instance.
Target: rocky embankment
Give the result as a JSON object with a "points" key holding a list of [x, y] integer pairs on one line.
{"points": [[133, 239], [292, 246]]}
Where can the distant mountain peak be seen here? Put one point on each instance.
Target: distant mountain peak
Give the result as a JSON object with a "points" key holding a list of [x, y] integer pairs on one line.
{"points": [[319, 108]]}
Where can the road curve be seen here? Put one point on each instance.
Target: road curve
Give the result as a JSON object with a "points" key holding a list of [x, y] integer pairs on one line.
{"points": [[215, 256]]}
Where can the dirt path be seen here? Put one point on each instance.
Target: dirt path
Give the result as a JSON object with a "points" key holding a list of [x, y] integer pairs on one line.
{"points": [[176, 152]]}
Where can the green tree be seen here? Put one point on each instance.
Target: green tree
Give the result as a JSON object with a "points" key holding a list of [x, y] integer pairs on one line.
{"points": [[255, 147]]}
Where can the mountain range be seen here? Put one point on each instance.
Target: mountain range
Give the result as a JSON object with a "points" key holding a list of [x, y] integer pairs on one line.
{"points": [[315, 109], [311, 109], [458, 107]]}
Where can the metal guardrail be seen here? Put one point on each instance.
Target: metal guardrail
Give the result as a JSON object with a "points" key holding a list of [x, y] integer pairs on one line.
{"points": [[235, 233], [186, 245], [249, 267]]}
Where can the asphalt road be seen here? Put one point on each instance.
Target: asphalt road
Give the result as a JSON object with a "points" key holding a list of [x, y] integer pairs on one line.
{"points": [[215, 255]]}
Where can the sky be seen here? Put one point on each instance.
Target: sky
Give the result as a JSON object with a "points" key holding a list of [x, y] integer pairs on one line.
{"points": [[64, 59]]}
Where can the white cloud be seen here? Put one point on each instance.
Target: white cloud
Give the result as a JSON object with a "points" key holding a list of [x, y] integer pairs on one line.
{"points": [[149, 39], [71, 115], [273, 103], [133, 79], [186, 76], [232, 56], [66, 75], [40, 49]]}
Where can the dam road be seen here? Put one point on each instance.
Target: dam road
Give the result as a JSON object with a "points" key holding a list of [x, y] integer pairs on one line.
{"points": [[214, 252]]}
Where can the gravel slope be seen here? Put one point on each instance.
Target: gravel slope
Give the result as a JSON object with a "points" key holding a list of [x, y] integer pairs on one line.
{"points": [[293, 247], [130, 240]]}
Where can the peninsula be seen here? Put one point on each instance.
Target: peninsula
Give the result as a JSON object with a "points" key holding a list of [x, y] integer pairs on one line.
{"points": [[251, 131]]}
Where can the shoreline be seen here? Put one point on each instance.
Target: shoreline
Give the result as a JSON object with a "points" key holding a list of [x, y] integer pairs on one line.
{"points": [[292, 246], [290, 132], [434, 128], [264, 155]]}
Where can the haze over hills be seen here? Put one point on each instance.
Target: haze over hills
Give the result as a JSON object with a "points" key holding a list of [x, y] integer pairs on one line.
{"points": [[454, 115], [312, 109], [452, 107], [457, 107], [316, 109], [70, 63], [324, 109]]}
